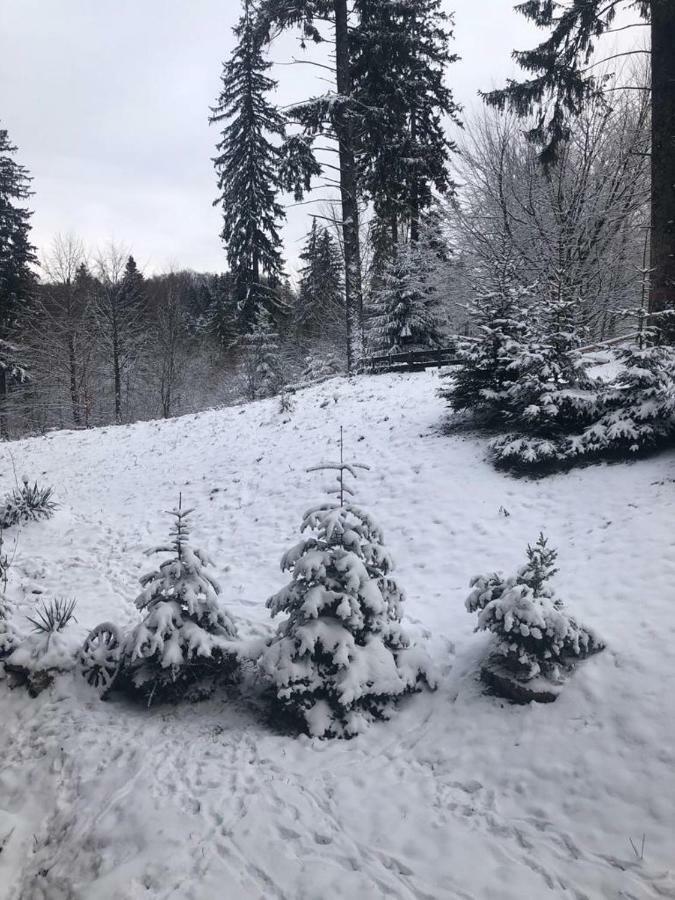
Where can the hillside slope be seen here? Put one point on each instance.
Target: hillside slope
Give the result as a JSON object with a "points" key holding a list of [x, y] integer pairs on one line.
{"points": [[460, 795]]}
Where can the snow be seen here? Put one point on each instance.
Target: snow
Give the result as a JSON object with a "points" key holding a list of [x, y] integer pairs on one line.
{"points": [[459, 795]]}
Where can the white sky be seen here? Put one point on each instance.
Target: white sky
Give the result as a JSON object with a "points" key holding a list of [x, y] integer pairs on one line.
{"points": [[108, 101]]}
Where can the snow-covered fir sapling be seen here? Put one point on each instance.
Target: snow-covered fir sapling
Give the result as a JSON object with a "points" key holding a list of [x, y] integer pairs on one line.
{"points": [[341, 657], [29, 503], [36, 659], [184, 646], [537, 641]]}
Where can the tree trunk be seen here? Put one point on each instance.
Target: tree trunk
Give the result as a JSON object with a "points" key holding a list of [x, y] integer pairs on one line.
{"points": [[74, 392], [117, 379], [662, 285], [4, 428], [348, 193]]}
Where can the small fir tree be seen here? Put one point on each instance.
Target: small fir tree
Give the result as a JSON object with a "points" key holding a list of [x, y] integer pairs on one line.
{"points": [[341, 657], [261, 367], [534, 634], [184, 644]]}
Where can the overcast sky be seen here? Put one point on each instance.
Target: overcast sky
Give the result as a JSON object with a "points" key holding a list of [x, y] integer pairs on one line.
{"points": [[108, 102]]}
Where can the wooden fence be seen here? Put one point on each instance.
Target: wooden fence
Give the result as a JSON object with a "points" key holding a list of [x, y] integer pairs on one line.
{"points": [[412, 361]]}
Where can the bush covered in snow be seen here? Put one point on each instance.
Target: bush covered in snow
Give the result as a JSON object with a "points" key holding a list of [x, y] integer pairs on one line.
{"points": [[633, 414], [341, 656], [29, 503], [183, 646], [534, 634], [638, 409], [48, 650]]}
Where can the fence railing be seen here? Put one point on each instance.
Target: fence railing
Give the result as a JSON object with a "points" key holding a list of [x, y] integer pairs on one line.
{"points": [[418, 360], [411, 361]]}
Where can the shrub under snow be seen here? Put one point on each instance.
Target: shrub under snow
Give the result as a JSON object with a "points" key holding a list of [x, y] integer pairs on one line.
{"points": [[534, 634], [29, 503], [48, 650], [341, 657]]}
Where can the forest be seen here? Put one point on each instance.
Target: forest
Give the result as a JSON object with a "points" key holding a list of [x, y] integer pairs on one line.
{"points": [[549, 191]]}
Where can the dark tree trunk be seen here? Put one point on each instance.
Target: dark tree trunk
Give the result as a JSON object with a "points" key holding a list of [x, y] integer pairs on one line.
{"points": [[348, 193], [662, 293], [4, 428], [117, 379], [414, 190], [74, 391]]}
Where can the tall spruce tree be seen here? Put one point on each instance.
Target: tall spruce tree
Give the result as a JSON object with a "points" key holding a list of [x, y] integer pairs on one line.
{"points": [[334, 114], [16, 256], [562, 81], [248, 166], [400, 56]]}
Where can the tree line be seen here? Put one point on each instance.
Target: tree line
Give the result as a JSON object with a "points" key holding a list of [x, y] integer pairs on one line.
{"points": [[559, 184]]}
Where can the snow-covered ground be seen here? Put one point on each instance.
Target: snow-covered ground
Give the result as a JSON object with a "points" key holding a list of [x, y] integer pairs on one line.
{"points": [[460, 795]]}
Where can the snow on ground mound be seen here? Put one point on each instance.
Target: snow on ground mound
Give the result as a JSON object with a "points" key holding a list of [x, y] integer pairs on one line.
{"points": [[460, 795]]}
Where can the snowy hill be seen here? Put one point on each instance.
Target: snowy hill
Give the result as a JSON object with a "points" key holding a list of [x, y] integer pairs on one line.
{"points": [[460, 795]]}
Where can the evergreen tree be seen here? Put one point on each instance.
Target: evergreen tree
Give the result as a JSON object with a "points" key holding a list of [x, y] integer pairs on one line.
{"points": [[534, 634], [320, 301], [550, 396], [133, 285], [341, 657], [406, 311], [16, 252], [400, 57], [501, 321], [336, 115], [221, 304], [248, 166], [16, 256], [261, 366], [184, 643], [637, 409]]}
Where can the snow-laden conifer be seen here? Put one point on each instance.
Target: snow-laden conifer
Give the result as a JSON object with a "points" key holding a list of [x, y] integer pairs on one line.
{"points": [[550, 396], [406, 312], [341, 657], [248, 166], [638, 407], [261, 369], [534, 635], [490, 359], [184, 643]]}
